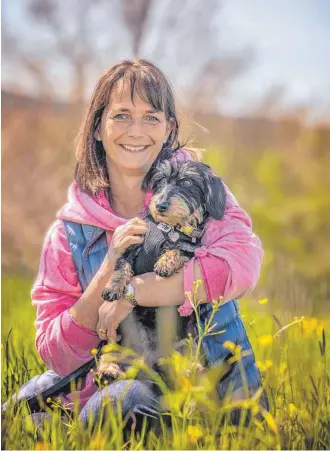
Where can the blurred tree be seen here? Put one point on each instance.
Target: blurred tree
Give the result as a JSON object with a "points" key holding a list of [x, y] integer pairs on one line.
{"points": [[135, 14], [63, 46]]}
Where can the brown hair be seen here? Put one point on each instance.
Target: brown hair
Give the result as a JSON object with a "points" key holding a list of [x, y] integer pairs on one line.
{"points": [[152, 86]]}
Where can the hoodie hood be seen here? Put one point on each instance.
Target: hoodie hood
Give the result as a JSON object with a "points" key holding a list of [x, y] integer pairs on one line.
{"points": [[95, 210]]}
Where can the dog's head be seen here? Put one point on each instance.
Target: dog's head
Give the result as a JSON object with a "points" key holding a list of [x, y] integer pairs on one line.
{"points": [[186, 193]]}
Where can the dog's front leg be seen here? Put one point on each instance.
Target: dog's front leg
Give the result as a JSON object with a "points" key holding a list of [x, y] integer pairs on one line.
{"points": [[121, 277], [169, 263]]}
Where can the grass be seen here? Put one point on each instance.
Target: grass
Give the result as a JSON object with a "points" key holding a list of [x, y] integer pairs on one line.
{"points": [[292, 354]]}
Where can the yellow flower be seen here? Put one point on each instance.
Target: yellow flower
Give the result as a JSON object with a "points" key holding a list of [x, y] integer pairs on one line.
{"points": [[94, 351], [194, 433], [265, 340], [41, 446], [106, 349], [48, 400], [263, 301], [319, 329], [263, 366], [292, 410], [185, 384], [229, 345], [313, 323]]}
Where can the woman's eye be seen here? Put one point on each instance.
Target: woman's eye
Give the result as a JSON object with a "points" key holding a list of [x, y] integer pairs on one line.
{"points": [[151, 119], [187, 183], [121, 117]]}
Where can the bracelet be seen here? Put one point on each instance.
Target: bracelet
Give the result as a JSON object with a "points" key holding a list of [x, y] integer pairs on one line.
{"points": [[129, 295]]}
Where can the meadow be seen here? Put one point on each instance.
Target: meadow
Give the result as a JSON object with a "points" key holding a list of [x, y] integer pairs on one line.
{"points": [[278, 171], [291, 352]]}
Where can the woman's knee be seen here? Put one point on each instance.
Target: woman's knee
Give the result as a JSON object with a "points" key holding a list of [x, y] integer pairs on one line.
{"points": [[133, 395]]}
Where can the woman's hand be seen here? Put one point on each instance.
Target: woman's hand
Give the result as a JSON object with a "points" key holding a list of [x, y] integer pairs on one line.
{"points": [[111, 314], [126, 235]]}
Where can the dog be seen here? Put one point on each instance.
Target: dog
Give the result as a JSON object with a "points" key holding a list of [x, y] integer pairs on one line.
{"points": [[184, 196]]}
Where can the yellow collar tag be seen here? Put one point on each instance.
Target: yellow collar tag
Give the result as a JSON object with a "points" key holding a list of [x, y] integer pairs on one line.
{"points": [[187, 230]]}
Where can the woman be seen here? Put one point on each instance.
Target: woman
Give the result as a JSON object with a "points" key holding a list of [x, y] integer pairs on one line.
{"points": [[131, 123]]}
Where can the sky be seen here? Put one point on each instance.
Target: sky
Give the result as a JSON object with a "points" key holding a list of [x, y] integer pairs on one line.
{"points": [[291, 42]]}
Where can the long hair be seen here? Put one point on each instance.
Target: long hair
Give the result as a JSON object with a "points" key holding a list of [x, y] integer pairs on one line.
{"points": [[149, 82]]}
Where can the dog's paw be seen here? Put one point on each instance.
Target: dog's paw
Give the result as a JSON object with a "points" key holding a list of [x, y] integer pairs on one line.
{"points": [[110, 295], [163, 270], [107, 371]]}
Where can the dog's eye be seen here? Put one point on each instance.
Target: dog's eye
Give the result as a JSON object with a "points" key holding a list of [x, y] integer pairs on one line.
{"points": [[187, 183], [161, 183]]}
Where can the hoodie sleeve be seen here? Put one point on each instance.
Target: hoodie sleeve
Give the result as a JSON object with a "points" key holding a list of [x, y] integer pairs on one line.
{"points": [[230, 257], [63, 344]]}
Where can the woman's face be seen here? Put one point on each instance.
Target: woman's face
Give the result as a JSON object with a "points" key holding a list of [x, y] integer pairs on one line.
{"points": [[132, 134]]}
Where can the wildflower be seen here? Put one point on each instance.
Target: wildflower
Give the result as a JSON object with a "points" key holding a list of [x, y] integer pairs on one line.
{"points": [[48, 400], [229, 345], [292, 410], [106, 349], [265, 340], [59, 400], [194, 433], [94, 351], [319, 329], [263, 301], [41, 446], [263, 366], [185, 384]]}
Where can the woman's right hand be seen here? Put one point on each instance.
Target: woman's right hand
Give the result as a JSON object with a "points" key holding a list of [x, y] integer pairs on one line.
{"points": [[126, 235]]}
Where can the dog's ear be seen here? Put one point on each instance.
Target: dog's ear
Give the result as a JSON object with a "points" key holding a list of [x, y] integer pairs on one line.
{"points": [[215, 203], [156, 174]]}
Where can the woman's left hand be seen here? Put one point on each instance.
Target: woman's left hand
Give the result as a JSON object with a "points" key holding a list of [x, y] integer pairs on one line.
{"points": [[111, 314]]}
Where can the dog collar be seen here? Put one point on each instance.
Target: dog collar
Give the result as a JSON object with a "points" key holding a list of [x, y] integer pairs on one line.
{"points": [[173, 232]]}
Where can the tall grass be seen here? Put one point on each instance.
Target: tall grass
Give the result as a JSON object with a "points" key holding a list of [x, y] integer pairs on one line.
{"points": [[292, 354]]}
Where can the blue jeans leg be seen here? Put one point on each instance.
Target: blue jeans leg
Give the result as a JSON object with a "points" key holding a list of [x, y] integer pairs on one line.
{"points": [[135, 396]]}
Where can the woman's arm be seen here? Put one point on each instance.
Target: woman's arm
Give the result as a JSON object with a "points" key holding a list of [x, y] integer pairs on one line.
{"points": [[155, 291], [229, 264], [63, 343]]}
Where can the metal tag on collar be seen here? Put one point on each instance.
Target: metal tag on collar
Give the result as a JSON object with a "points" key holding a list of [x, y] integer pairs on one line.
{"points": [[164, 227], [174, 236]]}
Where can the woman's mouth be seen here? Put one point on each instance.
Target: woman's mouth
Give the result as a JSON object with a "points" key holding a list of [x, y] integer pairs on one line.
{"points": [[134, 149]]}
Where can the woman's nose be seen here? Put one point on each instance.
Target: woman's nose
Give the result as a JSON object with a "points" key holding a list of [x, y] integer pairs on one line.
{"points": [[135, 129]]}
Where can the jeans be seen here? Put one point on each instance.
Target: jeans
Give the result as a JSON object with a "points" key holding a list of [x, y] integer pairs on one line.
{"points": [[136, 397]]}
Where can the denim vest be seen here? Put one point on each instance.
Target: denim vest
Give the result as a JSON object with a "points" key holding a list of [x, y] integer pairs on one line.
{"points": [[89, 246]]}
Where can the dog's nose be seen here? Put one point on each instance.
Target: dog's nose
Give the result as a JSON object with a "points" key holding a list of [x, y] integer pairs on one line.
{"points": [[162, 206]]}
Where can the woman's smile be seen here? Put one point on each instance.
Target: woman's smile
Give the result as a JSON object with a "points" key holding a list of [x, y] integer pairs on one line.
{"points": [[134, 149]]}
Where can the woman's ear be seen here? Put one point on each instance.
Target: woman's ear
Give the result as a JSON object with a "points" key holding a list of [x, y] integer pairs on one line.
{"points": [[215, 197]]}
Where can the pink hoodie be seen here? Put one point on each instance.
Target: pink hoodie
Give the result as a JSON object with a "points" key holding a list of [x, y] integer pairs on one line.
{"points": [[230, 260]]}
